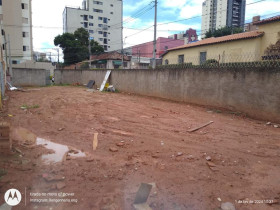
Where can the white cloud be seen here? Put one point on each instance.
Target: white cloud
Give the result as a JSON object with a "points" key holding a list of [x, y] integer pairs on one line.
{"points": [[268, 7], [174, 3], [192, 9]]}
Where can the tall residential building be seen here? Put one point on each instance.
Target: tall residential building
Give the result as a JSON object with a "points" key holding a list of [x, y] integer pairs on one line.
{"points": [[102, 19], [219, 13], [16, 21]]}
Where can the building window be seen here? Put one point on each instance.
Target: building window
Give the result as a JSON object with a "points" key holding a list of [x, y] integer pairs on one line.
{"points": [[90, 24], [0, 2], [2, 32], [90, 17], [111, 13], [100, 18], [111, 5], [105, 20], [24, 6], [101, 39], [166, 62], [98, 2], [3, 46], [25, 20], [98, 10], [202, 58], [90, 31], [100, 32], [85, 18], [105, 41], [14, 62], [104, 34], [180, 59], [100, 25], [25, 48], [25, 34], [85, 24], [105, 47]]}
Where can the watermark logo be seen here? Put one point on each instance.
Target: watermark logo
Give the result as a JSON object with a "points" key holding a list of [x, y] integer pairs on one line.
{"points": [[12, 197]]}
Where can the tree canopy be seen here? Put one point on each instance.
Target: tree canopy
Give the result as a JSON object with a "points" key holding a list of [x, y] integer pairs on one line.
{"points": [[223, 32], [75, 46]]}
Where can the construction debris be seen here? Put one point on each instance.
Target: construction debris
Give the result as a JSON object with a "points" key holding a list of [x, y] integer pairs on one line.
{"points": [[60, 185], [90, 84], [120, 144], [95, 141], [227, 206], [113, 149], [143, 193], [208, 158], [105, 80], [202, 126], [111, 89]]}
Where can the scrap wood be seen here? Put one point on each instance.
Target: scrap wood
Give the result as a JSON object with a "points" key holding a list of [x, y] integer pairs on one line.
{"points": [[202, 126], [19, 151], [95, 141]]}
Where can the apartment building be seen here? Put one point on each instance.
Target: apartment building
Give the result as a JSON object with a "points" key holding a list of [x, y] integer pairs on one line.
{"points": [[219, 13], [102, 19], [189, 36], [16, 21]]}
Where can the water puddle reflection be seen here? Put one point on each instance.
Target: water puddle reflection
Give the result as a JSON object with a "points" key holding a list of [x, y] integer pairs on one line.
{"points": [[60, 151]]}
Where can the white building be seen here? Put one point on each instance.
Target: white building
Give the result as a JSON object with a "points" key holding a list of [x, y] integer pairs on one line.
{"points": [[102, 19], [16, 20], [219, 13]]}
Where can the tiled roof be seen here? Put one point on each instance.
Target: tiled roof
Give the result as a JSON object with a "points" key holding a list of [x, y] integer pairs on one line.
{"points": [[213, 40], [110, 56], [275, 18]]}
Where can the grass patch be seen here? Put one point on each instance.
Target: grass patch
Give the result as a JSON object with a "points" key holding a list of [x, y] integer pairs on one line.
{"points": [[3, 172], [30, 106], [216, 111]]}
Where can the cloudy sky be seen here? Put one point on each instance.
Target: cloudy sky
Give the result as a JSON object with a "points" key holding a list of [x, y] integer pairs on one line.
{"points": [[47, 18]]}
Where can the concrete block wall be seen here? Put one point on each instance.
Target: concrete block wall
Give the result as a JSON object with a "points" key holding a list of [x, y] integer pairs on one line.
{"points": [[30, 77], [255, 92]]}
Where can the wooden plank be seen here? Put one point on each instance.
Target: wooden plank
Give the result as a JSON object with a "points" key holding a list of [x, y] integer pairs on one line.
{"points": [[105, 80], [202, 126], [95, 141]]}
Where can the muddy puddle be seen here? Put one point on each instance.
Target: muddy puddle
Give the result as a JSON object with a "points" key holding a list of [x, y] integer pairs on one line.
{"points": [[59, 152]]}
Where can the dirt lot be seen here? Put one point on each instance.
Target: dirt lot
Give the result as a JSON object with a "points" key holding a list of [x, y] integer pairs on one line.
{"points": [[152, 145]]}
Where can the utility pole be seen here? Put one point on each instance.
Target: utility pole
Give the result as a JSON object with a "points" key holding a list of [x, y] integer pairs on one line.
{"points": [[122, 34], [6, 50], [155, 38], [10, 60], [57, 49], [89, 50]]}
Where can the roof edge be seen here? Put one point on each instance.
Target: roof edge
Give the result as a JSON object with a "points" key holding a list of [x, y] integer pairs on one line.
{"points": [[261, 33]]}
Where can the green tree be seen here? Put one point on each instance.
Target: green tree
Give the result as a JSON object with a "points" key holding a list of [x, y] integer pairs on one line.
{"points": [[223, 32], [43, 60], [95, 47], [75, 46]]}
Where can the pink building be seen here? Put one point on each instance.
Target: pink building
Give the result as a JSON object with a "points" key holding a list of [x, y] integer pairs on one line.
{"points": [[146, 49]]}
